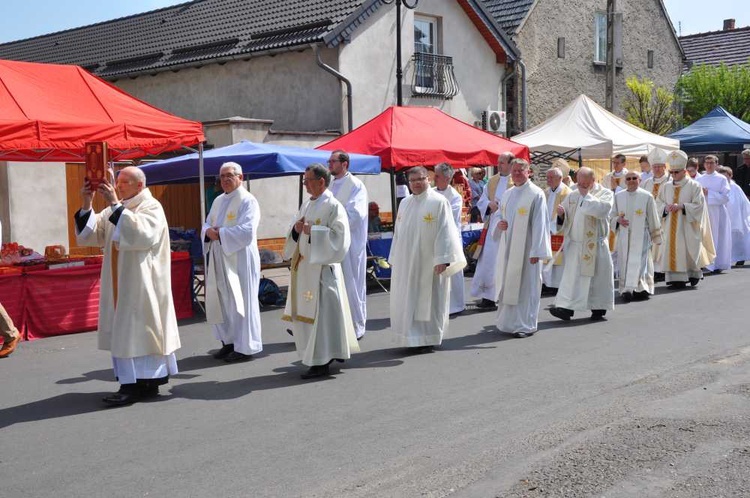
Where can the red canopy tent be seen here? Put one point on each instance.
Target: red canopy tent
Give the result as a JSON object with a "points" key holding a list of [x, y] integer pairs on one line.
{"points": [[49, 111], [411, 136]]}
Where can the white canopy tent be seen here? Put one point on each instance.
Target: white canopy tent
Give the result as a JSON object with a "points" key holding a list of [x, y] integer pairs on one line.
{"points": [[583, 124]]}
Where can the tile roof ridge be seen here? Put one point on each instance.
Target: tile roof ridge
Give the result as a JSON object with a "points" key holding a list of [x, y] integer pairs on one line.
{"points": [[718, 31]]}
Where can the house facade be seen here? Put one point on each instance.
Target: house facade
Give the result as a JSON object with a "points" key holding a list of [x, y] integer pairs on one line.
{"points": [[563, 49]]}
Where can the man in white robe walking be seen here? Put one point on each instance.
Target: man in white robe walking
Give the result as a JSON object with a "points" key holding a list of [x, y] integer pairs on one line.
{"points": [[524, 244], [483, 282], [587, 282], [739, 214], [317, 304], [352, 194], [687, 241], [716, 189], [230, 243], [426, 252], [555, 193], [137, 321], [637, 227], [658, 159], [443, 176]]}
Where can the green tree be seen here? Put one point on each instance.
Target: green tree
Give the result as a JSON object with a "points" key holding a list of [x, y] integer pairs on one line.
{"points": [[649, 107], [705, 87]]}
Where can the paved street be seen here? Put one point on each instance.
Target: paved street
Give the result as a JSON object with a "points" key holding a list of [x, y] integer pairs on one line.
{"points": [[653, 402]]}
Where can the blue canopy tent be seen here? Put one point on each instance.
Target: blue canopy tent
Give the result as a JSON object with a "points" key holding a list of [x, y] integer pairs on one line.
{"points": [[257, 161], [717, 131]]}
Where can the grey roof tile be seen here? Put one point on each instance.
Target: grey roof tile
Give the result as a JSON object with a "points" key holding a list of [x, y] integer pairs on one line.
{"points": [[730, 47], [188, 33], [508, 13]]}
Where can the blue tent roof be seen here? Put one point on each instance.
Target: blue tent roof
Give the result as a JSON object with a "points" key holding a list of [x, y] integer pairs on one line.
{"points": [[717, 131], [257, 161]]}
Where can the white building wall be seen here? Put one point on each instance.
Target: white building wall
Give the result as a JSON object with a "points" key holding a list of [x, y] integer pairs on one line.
{"points": [[36, 205]]}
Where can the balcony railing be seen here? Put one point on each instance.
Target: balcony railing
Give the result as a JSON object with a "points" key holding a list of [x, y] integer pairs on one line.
{"points": [[433, 76]]}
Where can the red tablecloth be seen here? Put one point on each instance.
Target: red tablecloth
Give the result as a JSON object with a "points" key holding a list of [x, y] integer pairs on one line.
{"points": [[66, 301]]}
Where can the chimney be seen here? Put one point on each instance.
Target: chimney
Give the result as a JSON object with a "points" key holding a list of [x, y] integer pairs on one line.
{"points": [[728, 24]]}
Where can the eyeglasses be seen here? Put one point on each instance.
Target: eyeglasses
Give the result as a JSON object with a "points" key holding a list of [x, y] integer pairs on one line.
{"points": [[228, 175], [675, 171], [631, 179], [305, 181], [417, 180]]}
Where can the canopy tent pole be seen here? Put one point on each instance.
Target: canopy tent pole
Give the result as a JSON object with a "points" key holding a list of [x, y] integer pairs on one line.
{"points": [[394, 206], [202, 184], [301, 178]]}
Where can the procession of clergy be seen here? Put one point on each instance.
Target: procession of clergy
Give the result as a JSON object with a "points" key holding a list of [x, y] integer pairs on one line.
{"points": [[563, 240]]}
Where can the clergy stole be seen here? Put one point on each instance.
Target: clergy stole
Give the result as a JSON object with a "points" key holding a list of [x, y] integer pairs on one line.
{"points": [[614, 182], [508, 275], [221, 269], [557, 239], [634, 208], [308, 258], [491, 190], [590, 236]]}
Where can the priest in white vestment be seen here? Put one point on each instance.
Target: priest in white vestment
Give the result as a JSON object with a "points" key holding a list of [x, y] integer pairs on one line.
{"points": [[483, 281], [637, 226], [137, 321], [658, 159], [646, 168], [523, 233], [739, 214], [587, 282], [317, 304], [555, 193], [426, 252], [443, 176], [686, 228], [232, 277], [716, 189], [352, 194]]}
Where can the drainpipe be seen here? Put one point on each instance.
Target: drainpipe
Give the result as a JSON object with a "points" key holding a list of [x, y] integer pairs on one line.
{"points": [[341, 78], [504, 88], [523, 95]]}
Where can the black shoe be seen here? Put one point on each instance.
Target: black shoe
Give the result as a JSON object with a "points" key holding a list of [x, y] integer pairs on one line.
{"points": [[521, 335], [421, 349], [693, 282], [641, 296], [598, 315], [454, 315], [289, 331], [549, 291], [149, 392], [127, 395], [739, 263], [235, 357], [561, 313], [486, 304], [627, 296], [316, 371], [224, 351], [679, 285], [659, 277]]}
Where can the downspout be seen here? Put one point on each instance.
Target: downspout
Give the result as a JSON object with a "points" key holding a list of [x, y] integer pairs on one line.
{"points": [[523, 95], [504, 88], [341, 78]]}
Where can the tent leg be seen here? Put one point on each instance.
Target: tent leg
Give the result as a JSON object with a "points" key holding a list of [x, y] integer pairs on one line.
{"points": [[202, 182], [394, 206], [301, 177]]}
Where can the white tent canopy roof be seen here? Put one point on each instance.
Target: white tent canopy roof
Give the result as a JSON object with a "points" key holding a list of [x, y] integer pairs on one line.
{"points": [[597, 132]]}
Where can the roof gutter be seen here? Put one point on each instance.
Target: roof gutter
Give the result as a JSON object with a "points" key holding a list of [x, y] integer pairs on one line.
{"points": [[524, 107], [342, 79]]}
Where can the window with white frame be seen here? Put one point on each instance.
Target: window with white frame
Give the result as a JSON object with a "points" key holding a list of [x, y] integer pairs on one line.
{"points": [[425, 42], [600, 37]]}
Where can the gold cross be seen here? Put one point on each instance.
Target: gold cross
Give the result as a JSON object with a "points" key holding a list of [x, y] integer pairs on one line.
{"points": [[308, 295], [428, 218]]}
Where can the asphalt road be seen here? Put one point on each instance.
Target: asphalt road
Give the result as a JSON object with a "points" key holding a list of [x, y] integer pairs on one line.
{"points": [[653, 402]]}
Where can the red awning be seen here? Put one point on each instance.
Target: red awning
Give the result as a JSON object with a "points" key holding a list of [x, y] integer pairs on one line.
{"points": [[411, 136], [49, 111]]}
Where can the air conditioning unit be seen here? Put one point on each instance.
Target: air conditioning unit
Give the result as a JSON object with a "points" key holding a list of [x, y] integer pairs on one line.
{"points": [[494, 121]]}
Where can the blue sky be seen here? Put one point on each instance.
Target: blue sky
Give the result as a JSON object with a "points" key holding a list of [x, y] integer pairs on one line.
{"points": [[27, 18]]}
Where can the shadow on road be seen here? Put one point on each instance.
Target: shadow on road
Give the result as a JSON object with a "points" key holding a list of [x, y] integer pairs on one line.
{"points": [[64, 405], [378, 324]]}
